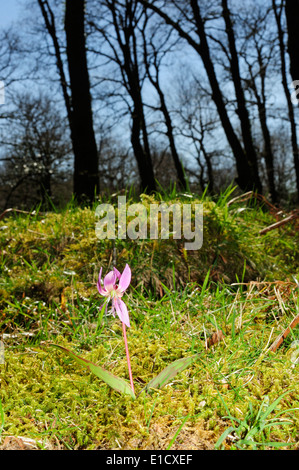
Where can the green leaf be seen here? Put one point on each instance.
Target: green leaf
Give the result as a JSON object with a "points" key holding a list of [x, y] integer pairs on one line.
{"points": [[113, 381], [276, 444], [170, 371], [178, 432], [2, 418], [224, 436], [273, 405], [246, 442]]}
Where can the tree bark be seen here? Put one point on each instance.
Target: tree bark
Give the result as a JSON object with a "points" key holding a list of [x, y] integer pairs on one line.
{"points": [[291, 113], [130, 69], [164, 109], [144, 165], [261, 103], [245, 177], [86, 171], [175, 156], [49, 20], [292, 16], [268, 153], [242, 110]]}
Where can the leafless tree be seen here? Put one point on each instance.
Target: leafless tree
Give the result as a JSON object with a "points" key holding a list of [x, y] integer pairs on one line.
{"points": [[242, 108], [278, 9], [292, 17], [119, 31], [36, 149], [157, 45], [198, 123], [76, 93], [118, 165], [187, 20], [257, 35]]}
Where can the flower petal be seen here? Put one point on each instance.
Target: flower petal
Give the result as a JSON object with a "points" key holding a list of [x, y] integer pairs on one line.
{"points": [[112, 310], [122, 311], [109, 281], [101, 290], [118, 275], [125, 279]]}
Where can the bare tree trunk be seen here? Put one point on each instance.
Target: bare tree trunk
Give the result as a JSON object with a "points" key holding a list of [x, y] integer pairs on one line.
{"points": [[278, 13], [175, 156], [49, 20], [245, 177], [292, 16], [78, 105], [130, 69], [262, 111], [268, 154], [241, 102], [86, 171], [155, 81], [144, 166], [46, 188]]}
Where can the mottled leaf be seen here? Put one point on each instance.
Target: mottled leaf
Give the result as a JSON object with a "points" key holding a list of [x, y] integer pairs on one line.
{"points": [[113, 381], [170, 371]]}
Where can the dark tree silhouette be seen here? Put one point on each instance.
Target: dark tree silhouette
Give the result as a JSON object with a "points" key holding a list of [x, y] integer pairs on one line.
{"points": [[278, 10], [246, 179], [242, 110], [78, 99], [86, 171], [152, 57], [292, 16]]}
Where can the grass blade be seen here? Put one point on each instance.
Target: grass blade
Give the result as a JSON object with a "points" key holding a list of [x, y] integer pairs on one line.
{"points": [[224, 436], [273, 405], [2, 418], [177, 432]]}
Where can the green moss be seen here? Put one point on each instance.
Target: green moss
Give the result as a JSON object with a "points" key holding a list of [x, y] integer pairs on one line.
{"points": [[48, 294]]}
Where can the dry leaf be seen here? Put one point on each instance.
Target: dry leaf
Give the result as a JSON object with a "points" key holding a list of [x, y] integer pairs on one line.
{"points": [[214, 338]]}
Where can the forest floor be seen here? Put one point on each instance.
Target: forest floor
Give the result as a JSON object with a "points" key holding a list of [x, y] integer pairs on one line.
{"points": [[225, 304]]}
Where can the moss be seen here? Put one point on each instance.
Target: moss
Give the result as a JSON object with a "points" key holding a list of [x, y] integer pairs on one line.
{"points": [[48, 294], [39, 388]]}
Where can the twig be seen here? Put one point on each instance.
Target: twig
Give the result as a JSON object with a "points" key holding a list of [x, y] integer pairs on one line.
{"points": [[283, 336], [7, 211], [259, 197], [242, 198], [276, 211], [279, 224]]}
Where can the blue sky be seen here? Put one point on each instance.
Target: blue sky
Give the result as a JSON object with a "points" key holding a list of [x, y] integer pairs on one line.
{"points": [[9, 11]]}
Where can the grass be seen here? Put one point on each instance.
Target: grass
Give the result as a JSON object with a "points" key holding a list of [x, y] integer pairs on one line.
{"points": [[237, 395]]}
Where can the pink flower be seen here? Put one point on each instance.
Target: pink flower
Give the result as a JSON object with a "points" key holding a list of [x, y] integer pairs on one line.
{"points": [[115, 284]]}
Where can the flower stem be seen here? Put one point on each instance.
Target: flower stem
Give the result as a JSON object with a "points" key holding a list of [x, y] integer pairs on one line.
{"points": [[128, 357]]}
